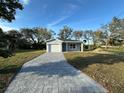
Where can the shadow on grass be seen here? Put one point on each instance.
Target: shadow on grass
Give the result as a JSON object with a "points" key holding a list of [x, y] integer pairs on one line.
{"points": [[84, 62], [10, 69], [29, 50], [56, 68], [107, 70], [7, 75]]}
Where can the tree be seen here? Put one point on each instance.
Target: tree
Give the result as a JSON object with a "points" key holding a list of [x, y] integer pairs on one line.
{"points": [[42, 34], [13, 37], [77, 35], [3, 44], [65, 33], [89, 36], [7, 12], [2, 39], [35, 37], [8, 9], [113, 31], [116, 28], [1, 31], [98, 37], [107, 34], [28, 34], [116, 25]]}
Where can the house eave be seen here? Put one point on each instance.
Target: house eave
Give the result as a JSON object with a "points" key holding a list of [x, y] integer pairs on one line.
{"points": [[72, 42]]}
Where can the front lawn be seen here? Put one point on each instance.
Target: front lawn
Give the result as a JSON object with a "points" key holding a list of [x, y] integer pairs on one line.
{"points": [[107, 69], [116, 50], [10, 66]]}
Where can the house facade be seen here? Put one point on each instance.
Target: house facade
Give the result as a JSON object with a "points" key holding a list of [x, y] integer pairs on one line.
{"points": [[57, 45]]}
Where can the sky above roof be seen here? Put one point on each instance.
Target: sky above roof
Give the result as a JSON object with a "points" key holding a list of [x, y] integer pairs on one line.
{"points": [[54, 14]]}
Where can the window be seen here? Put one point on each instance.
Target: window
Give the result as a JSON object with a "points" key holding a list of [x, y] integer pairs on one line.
{"points": [[72, 46]]}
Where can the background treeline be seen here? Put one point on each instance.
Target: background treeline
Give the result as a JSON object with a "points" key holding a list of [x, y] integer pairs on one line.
{"points": [[35, 38], [25, 38], [109, 34]]}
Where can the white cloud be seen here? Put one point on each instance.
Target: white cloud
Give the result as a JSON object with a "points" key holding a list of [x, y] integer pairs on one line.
{"points": [[72, 6], [57, 21], [6, 28], [25, 2]]}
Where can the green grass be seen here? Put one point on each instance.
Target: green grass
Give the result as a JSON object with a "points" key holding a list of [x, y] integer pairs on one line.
{"points": [[119, 50], [10, 66], [106, 69]]}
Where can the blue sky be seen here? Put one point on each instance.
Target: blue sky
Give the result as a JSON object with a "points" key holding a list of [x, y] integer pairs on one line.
{"points": [[54, 14]]}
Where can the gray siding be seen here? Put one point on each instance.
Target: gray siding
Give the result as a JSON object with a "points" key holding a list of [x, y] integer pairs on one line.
{"points": [[78, 47], [66, 47]]}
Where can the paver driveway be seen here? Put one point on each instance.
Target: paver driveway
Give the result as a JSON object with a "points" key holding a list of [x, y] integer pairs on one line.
{"points": [[50, 73]]}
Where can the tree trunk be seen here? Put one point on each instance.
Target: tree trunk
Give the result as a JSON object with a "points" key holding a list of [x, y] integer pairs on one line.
{"points": [[106, 47]]}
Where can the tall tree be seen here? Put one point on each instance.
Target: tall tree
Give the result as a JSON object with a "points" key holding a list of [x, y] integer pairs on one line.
{"points": [[8, 9], [8, 42], [107, 34], [89, 36], [113, 31], [36, 34], [13, 37], [3, 40], [116, 28], [98, 36], [28, 34], [42, 34], [77, 35], [65, 33]]}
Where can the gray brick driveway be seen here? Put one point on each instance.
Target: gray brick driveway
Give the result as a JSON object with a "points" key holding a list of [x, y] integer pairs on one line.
{"points": [[50, 73]]}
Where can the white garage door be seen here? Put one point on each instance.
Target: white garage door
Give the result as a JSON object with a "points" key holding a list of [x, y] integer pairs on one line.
{"points": [[55, 48]]}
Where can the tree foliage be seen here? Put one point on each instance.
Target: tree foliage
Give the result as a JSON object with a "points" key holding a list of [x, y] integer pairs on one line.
{"points": [[2, 38], [99, 37], [35, 38], [28, 34], [114, 31], [78, 35], [89, 37], [42, 34], [65, 33], [8, 9], [36, 35], [13, 37], [26, 38]]}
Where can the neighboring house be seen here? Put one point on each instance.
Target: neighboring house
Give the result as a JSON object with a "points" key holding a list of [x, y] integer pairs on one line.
{"points": [[57, 45]]}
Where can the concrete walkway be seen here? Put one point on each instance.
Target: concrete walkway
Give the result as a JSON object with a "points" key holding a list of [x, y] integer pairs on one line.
{"points": [[50, 73]]}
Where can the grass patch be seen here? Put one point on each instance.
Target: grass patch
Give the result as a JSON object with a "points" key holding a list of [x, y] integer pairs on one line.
{"points": [[106, 69], [116, 50], [10, 66]]}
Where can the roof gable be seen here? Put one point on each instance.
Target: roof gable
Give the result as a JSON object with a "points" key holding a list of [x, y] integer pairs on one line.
{"points": [[54, 41]]}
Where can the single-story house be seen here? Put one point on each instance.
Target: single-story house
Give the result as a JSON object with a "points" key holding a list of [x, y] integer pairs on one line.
{"points": [[57, 45]]}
